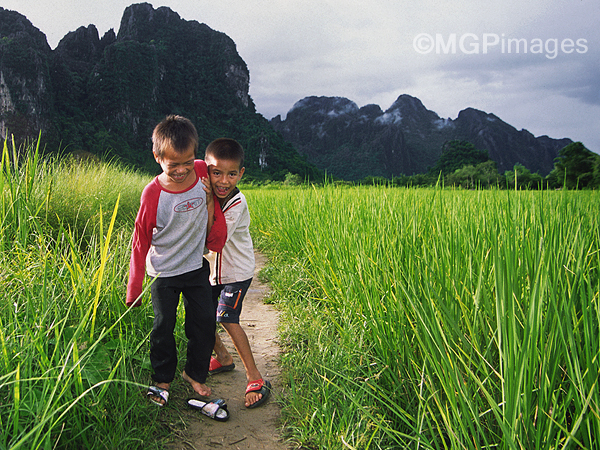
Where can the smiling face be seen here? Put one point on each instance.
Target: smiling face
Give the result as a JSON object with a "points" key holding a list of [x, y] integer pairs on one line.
{"points": [[178, 169], [224, 176]]}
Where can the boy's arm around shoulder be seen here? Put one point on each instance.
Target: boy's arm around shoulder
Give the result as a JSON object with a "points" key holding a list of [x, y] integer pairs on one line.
{"points": [[216, 228], [142, 238], [218, 232]]}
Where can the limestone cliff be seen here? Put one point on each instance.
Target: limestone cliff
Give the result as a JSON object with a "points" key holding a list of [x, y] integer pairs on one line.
{"points": [[105, 95], [352, 143], [25, 87]]}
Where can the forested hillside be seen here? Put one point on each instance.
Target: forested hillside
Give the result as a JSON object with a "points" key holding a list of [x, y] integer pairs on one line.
{"points": [[351, 142], [104, 95]]}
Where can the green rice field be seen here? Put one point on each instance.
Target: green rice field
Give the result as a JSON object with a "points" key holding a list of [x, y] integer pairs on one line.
{"points": [[410, 318], [431, 318]]}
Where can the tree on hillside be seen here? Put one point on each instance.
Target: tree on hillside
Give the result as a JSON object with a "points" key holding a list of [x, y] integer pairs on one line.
{"points": [[522, 177], [456, 154], [575, 168], [482, 175]]}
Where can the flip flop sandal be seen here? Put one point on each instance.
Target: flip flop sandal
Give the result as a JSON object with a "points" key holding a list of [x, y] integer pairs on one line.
{"points": [[216, 367], [261, 386], [155, 391], [215, 409]]}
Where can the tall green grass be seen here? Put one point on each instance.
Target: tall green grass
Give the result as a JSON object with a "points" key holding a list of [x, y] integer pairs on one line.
{"points": [[411, 318], [431, 318], [71, 353]]}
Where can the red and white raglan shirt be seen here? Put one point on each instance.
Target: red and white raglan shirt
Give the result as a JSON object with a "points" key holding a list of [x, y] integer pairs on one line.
{"points": [[236, 261], [170, 232]]}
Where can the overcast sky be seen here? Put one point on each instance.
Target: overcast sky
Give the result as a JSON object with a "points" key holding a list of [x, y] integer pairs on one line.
{"points": [[535, 64]]}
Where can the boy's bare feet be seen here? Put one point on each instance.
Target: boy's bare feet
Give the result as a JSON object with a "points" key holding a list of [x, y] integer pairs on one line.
{"points": [[257, 392], [255, 395], [221, 353], [224, 359], [199, 388], [252, 398]]}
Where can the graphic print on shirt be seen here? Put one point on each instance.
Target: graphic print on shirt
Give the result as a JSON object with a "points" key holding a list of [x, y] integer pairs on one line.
{"points": [[177, 237], [188, 205]]}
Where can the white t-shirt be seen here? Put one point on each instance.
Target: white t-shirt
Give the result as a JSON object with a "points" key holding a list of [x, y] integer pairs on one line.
{"points": [[236, 261]]}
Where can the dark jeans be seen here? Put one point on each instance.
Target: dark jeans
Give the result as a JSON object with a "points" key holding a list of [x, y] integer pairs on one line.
{"points": [[200, 324]]}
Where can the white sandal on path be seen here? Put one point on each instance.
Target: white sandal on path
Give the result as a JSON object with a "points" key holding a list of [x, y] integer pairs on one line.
{"points": [[155, 391]]}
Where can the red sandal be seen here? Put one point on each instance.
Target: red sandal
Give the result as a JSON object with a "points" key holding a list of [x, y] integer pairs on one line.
{"points": [[216, 367], [262, 387]]}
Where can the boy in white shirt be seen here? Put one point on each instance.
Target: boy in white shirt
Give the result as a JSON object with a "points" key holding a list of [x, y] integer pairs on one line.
{"points": [[232, 269]]}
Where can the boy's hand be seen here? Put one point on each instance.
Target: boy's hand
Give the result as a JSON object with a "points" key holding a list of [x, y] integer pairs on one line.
{"points": [[210, 204], [135, 303], [209, 193]]}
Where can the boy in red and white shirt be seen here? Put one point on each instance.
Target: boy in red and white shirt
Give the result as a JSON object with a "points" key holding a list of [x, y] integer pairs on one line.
{"points": [[176, 220]]}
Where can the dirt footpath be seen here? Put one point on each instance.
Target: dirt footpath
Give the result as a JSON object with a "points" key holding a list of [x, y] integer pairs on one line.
{"points": [[255, 429]]}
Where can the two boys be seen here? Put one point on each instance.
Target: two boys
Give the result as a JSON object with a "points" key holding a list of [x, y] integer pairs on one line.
{"points": [[176, 220]]}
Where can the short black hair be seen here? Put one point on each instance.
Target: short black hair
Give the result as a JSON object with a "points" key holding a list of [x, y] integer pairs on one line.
{"points": [[225, 148], [176, 132]]}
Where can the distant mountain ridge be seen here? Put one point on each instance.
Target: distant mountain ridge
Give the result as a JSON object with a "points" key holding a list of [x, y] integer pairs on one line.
{"points": [[351, 142], [106, 94]]}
